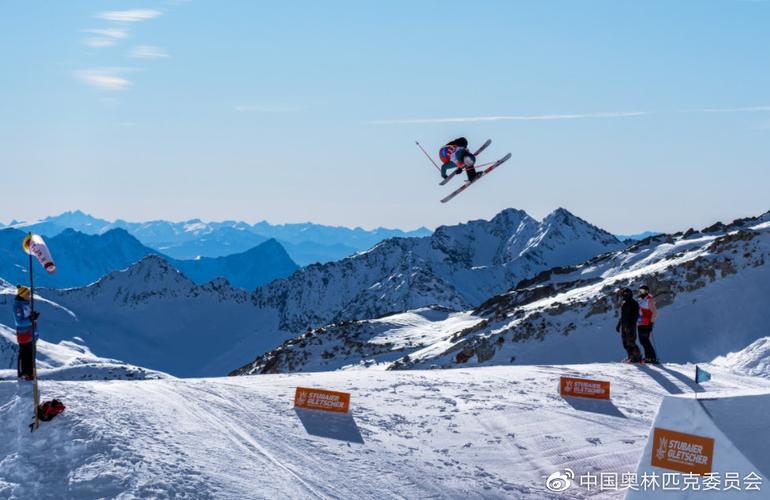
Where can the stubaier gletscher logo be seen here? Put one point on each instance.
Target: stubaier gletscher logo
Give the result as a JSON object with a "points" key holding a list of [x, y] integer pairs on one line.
{"points": [[321, 399], [584, 388], [301, 398], [682, 452]]}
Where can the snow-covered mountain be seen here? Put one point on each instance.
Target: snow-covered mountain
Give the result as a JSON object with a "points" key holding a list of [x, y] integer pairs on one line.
{"points": [[457, 267], [262, 264], [83, 258], [151, 315], [708, 284], [307, 243]]}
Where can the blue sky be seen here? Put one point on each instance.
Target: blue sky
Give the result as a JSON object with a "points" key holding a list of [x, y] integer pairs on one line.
{"points": [[632, 114]]}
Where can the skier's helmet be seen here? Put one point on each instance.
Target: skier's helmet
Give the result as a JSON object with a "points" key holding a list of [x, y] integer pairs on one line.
{"points": [[626, 293]]}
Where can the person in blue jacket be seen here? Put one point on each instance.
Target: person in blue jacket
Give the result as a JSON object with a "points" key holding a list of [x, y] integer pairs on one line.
{"points": [[26, 332]]}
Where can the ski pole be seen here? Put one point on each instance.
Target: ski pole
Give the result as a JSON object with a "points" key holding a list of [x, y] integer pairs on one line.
{"points": [[429, 157]]}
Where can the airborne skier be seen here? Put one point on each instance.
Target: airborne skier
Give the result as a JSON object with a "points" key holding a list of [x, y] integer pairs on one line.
{"points": [[455, 155]]}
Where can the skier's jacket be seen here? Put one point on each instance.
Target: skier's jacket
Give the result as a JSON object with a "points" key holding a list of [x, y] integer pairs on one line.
{"points": [[648, 312], [449, 152], [629, 313], [22, 315]]}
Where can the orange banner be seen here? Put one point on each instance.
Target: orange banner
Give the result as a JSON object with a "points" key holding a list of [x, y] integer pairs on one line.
{"points": [[682, 452], [584, 388], [320, 399]]}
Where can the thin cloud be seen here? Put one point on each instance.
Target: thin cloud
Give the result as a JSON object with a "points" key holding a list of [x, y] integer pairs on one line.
{"points": [[116, 33], [251, 108], [575, 116], [129, 16], [147, 52], [105, 78], [98, 43], [748, 109]]}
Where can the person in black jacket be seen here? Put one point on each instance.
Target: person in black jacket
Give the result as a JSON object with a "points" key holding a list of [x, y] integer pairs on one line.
{"points": [[629, 315]]}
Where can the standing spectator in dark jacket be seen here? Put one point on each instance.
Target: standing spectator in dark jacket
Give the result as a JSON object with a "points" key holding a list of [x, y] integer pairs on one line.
{"points": [[629, 315], [26, 331]]}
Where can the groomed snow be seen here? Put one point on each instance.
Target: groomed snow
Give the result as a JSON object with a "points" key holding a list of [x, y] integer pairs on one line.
{"points": [[494, 432]]}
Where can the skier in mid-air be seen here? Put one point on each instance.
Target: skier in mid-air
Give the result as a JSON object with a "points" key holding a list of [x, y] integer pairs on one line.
{"points": [[629, 315], [455, 155]]}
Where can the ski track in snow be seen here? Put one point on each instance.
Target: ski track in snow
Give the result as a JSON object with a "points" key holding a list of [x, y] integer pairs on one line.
{"points": [[492, 432]]}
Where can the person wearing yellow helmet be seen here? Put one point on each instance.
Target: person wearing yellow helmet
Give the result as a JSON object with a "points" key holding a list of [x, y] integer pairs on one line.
{"points": [[26, 331]]}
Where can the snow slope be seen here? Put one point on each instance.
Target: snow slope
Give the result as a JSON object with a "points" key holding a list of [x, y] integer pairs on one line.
{"points": [[472, 433], [376, 343], [68, 360], [754, 360]]}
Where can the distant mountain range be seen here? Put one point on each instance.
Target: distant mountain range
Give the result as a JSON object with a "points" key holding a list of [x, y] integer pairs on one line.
{"points": [[638, 236], [306, 243], [84, 258], [152, 315]]}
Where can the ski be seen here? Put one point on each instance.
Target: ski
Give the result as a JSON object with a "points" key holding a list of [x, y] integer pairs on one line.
{"points": [[481, 174], [457, 171]]}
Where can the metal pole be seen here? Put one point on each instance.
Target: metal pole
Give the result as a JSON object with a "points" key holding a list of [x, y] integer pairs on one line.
{"points": [[35, 390], [429, 157]]}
